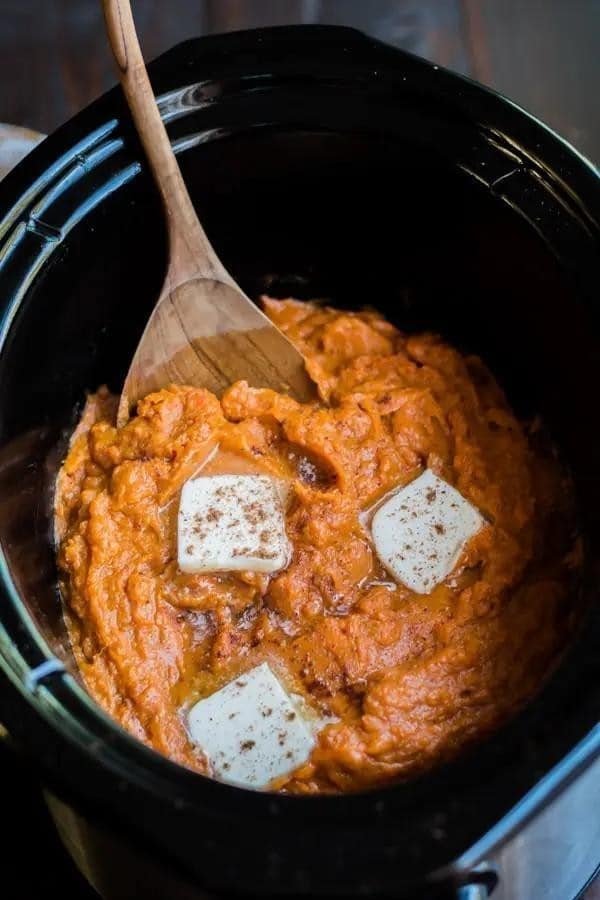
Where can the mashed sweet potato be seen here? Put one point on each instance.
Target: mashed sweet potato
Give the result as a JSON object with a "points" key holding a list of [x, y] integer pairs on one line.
{"points": [[410, 678]]}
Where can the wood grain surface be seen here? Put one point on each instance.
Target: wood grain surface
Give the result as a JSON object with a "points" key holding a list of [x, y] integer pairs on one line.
{"points": [[543, 53]]}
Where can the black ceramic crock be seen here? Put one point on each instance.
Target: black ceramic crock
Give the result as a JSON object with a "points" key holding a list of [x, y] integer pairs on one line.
{"points": [[322, 164]]}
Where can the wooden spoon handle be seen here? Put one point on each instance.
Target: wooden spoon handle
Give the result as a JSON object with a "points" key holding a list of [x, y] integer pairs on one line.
{"points": [[190, 250]]}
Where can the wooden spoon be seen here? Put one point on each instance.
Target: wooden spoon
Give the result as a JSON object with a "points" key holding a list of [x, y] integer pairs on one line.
{"points": [[203, 331]]}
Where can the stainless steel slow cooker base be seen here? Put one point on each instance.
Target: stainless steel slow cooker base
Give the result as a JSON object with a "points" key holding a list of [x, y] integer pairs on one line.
{"points": [[558, 854]]}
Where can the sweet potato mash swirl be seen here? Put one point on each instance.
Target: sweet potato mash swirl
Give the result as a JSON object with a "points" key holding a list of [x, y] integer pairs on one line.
{"points": [[410, 678]]}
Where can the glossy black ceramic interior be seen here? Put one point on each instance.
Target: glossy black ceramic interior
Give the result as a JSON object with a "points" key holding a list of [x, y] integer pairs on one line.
{"points": [[322, 164]]}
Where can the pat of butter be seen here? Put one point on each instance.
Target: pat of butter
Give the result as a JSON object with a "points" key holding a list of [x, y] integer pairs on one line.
{"points": [[251, 731], [232, 522], [421, 531]]}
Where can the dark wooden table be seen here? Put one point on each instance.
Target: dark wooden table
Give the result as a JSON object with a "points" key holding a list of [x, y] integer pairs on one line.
{"points": [[542, 53], [53, 61]]}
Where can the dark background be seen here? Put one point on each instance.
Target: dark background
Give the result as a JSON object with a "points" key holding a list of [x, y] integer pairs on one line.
{"points": [[544, 54]]}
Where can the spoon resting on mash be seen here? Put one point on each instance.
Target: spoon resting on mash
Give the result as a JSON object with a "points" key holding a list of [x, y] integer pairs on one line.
{"points": [[203, 331]]}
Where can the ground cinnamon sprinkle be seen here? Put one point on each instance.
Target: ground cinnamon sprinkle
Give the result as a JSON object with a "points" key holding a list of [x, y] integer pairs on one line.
{"points": [[409, 678]]}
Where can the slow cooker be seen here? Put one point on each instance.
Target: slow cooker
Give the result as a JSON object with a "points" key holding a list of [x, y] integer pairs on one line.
{"points": [[323, 164]]}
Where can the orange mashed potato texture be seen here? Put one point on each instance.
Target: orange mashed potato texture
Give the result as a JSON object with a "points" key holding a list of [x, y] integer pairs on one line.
{"points": [[411, 678]]}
